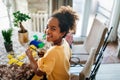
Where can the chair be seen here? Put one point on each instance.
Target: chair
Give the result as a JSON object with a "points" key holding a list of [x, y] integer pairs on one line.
{"points": [[88, 65], [86, 70], [94, 39], [99, 58]]}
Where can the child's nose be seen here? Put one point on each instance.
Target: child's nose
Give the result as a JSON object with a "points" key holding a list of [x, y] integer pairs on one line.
{"points": [[48, 30]]}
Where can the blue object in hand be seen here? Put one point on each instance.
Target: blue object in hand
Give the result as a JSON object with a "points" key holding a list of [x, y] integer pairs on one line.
{"points": [[37, 44]]}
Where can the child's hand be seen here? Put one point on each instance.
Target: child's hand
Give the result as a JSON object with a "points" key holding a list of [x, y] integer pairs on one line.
{"points": [[41, 53], [29, 53]]}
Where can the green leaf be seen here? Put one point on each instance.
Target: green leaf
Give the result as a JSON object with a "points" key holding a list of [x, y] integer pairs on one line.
{"points": [[20, 17], [7, 34]]}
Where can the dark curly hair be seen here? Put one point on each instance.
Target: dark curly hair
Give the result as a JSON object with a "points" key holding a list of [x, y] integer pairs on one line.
{"points": [[67, 18]]}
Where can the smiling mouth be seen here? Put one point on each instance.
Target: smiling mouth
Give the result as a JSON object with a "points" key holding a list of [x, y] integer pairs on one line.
{"points": [[49, 36]]}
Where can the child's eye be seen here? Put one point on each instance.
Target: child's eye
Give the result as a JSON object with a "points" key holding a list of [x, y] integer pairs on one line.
{"points": [[53, 28]]}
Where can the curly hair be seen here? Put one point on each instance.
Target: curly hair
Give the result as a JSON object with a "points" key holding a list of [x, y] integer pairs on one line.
{"points": [[67, 18]]}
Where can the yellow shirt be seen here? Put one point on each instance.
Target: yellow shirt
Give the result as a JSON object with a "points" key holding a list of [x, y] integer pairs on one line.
{"points": [[56, 62]]}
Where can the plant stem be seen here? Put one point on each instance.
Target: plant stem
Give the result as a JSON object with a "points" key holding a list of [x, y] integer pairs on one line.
{"points": [[22, 28]]}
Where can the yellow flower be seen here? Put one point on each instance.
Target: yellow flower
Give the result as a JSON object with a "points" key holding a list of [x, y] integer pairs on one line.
{"points": [[21, 57], [9, 56], [19, 63], [12, 60]]}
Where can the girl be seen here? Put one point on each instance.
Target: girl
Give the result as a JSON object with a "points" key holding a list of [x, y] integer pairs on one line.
{"points": [[55, 63]]}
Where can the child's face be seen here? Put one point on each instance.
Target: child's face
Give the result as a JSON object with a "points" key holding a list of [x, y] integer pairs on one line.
{"points": [[53, 33]]}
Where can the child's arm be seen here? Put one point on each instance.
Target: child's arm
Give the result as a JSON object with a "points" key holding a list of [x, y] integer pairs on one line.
{"points": [[33, 63]]}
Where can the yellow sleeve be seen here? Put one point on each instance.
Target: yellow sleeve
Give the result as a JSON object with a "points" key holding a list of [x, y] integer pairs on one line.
{"points": [[46, 63], [35, 77]]}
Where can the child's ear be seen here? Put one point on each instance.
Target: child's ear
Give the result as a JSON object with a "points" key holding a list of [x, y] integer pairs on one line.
{"points": [[63, 33]]}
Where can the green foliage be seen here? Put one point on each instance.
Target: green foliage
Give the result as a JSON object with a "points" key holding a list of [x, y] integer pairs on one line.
{"points": [[20, 17], [7, 34]]}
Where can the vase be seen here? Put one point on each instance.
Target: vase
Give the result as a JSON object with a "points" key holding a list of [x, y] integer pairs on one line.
{"points": [[23, 37]]}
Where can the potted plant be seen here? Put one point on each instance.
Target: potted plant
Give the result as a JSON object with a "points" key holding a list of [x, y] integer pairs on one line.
{"points": [[18, 19], [7, 34]]}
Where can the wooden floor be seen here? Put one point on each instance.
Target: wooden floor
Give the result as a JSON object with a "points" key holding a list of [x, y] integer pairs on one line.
{"points": [[111, 54]]}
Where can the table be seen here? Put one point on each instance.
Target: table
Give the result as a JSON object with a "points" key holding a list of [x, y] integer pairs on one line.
{"points": [[15, 71], [17, 47]]}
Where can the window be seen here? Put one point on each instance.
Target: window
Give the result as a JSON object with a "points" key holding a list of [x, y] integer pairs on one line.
{"points": [[78, 7], [98, 8], [104, 10]]}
